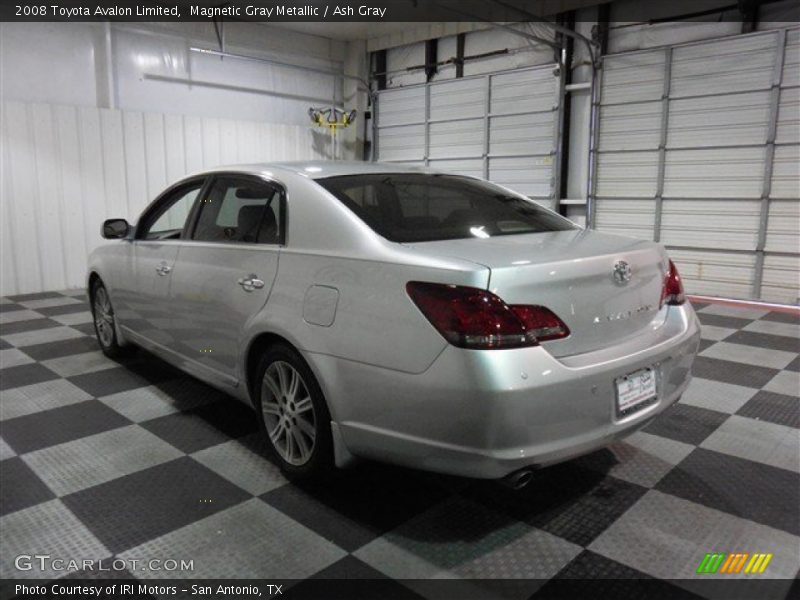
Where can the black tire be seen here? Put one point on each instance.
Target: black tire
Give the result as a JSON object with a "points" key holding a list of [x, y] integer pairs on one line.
{"points": [[105, 330], [319, 464]]}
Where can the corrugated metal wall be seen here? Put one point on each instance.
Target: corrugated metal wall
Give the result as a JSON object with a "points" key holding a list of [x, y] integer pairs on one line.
{"points": [[502, 126], [699, 147], [65, 169]]}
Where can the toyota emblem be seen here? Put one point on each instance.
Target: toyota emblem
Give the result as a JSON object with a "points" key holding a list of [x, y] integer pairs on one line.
{"points": [[622, 272]]}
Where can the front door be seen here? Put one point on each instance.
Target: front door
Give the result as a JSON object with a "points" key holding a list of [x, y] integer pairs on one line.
{"points": [[225, 269], [143, 298]]}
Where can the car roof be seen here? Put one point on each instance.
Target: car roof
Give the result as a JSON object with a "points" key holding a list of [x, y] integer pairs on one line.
{"points": [[318, 169]]}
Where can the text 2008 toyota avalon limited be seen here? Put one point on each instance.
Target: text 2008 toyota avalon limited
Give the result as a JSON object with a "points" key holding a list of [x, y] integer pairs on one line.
{"points": [[414, 317]]}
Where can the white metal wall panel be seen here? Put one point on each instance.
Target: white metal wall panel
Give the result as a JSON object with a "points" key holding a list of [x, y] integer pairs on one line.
{"points": [[532, 177], [724, 274], [65, 169], [729, 135], [731, 120], [730, 65], [449, 139], [534, 135], [791, 62], [630, 126], [684, 222], [472, 167], [781, 279], [401, 106], [402, 143], [634, 217], [714, 173], [500, 125], [627, 175], [783, 227], [635, 77], [459, 98], [786, 172], [532, 90], [789, 115]]}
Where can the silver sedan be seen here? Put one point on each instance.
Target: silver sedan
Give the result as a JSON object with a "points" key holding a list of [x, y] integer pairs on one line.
{"points": [[425, 319]]}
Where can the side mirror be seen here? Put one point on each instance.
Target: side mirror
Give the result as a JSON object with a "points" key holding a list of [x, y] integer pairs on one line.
{"points": [[114, 229]]}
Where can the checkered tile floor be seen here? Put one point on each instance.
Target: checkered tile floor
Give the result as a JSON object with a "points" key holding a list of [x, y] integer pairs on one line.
{"points": [[136, 460]]}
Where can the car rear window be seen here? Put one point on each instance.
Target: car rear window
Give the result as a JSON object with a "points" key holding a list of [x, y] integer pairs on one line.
{"points": [[417, 207]]}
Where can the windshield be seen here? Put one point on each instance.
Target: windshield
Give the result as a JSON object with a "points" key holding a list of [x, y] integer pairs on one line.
{"points": [[417, 207]]}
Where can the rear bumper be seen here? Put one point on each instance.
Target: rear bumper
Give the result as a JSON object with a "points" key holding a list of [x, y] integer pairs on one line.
{"points": [[486, 414]]}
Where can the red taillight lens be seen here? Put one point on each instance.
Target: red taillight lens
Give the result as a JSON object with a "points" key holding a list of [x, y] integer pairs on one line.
{"points": [[672, 293], [473, 318], [541, 322]]}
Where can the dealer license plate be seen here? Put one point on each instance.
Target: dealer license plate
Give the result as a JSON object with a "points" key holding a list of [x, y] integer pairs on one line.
{"points": [[635, 391]]}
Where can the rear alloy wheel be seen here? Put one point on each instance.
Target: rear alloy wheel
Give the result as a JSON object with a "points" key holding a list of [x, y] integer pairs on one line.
{"points": [[293, 414], [104, 322]]}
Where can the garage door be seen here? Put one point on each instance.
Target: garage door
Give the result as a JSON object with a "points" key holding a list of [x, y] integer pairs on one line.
{"points": [[699, 147], [501, 126]]}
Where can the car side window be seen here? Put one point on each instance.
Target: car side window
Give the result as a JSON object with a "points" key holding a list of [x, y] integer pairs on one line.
{"points": [[167, 221], [240, 210]]}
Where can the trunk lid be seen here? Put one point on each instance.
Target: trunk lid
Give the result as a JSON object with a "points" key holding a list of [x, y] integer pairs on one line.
{"points": [[573, 274]]}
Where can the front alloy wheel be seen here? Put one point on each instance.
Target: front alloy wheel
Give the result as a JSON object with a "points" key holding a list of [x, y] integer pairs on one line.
{"points": [[103, 317], [104, 325]]}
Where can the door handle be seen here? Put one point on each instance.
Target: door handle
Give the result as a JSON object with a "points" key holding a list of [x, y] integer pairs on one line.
{"points": [[250, 283], [163, 269]]}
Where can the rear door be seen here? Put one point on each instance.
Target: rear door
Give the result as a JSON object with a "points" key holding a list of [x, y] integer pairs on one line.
{"points": [[225, 269], [142, 297]]}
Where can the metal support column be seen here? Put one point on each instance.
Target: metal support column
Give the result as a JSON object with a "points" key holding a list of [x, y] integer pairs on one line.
{"points": [[486, 110], [426, 149], [662, 145], [769, 159]]}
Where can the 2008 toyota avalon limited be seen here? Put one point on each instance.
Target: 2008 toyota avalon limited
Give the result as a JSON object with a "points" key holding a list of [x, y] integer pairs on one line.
{"points": [[399, 314]]}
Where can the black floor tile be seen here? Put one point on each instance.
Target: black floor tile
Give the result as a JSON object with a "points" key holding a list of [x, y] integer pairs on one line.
{"points": [[722, 321], [133, 509], [85, 328], [205, 426], [782, 317], [591, 575], [20, 487], [353, 579], [357, 506], [567, 500], [134, 374], [704, 343], [61, 348], [63, 309], [4, 345], [59, 425], [31, 325], [686, 423], [765, 340], [728, 371], [11, 307], [775, 408], [20, 375], [747, 489], [36, 296], [794, 365]]}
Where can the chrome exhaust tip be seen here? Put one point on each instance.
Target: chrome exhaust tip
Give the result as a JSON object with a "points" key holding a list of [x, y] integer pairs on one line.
{"points": [[518, 479]]}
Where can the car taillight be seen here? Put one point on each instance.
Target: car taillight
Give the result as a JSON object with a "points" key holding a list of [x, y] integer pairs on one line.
{"points": [[478, 319], [672, 292]]}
